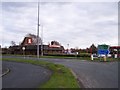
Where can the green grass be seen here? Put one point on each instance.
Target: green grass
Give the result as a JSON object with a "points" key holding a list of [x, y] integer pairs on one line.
{"points": [[61, 77], [61, 57], [107, 59], [69, 57], [81, 58]]}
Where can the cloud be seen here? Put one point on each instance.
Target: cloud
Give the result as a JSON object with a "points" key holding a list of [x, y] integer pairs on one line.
{"points": [[60, 0], [77, 24]]}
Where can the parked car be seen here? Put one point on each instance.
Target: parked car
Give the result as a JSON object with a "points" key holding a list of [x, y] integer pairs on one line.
{"points": [[101, 55], [109, 55], [95, 56]]}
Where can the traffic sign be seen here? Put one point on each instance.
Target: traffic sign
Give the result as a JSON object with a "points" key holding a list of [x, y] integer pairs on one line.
{"points": [[103, 49], [23, 48], [103, 52]]}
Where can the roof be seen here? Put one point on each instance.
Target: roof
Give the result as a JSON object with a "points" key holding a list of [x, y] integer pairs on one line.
{"points": [[115, 47], [25, 41]]}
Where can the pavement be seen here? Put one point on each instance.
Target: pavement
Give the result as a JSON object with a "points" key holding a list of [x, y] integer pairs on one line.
{"points": [[23, 75], [89, 73]]}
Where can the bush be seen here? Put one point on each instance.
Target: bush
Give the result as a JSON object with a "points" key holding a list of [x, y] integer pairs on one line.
{"points": [[84, 55], [70, 55]]}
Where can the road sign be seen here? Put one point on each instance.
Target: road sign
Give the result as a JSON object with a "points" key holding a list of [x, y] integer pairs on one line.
{"points": [[23, 48], [103, 47], [103, 51]]}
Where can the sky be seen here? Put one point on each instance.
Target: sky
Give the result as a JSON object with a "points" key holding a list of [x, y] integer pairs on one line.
{"points": [[79, 24]]}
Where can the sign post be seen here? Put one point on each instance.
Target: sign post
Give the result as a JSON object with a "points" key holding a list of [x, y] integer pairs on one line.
{"points": [[103, 50], [23, 48]]}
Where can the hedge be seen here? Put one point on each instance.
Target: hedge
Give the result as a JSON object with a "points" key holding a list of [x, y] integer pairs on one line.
{"points": [[70, 55]]}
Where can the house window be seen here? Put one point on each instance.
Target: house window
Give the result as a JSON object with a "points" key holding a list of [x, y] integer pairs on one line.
{"points": [[29, 41]]}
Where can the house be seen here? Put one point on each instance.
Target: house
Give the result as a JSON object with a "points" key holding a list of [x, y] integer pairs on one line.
{"points": [[30, 45]]}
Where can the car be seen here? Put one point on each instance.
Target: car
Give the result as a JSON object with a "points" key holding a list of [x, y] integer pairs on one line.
{"points": [[109, 55], [101, 55], [95, 56]]}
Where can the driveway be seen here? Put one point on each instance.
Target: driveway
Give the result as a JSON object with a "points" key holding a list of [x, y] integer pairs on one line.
{"points": [[23, 75]]}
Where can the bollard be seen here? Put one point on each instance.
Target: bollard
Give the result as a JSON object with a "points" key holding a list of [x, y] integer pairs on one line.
{"points": [[115, 56], [105, 58], [91, 57]]}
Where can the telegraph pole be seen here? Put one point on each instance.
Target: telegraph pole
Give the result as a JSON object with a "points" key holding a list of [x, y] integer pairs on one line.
{"points": [[38, 34]]}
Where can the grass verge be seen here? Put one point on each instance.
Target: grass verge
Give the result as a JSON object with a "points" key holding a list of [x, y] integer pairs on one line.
{"points": [[81, 58], [61, 77], [69, 57]]}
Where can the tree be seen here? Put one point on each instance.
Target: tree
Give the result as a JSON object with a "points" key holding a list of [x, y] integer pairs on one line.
{"points": [[55, 43], [93, 49], [13, 43]]}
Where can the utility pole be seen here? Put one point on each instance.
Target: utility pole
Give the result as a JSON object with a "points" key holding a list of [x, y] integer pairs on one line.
{"points": [[38, 34]]}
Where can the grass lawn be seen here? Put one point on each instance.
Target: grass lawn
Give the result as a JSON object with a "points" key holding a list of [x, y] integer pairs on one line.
{"points": [[69, 57], [61, 77], [61, 57], [81, 58]]}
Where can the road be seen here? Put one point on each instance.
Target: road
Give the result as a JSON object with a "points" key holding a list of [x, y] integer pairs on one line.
{"points": [[93, 74], [90, 74], [24, 75]]}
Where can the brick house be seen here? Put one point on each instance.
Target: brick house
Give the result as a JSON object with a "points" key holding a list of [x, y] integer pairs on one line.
{"points": [[30, 44]]}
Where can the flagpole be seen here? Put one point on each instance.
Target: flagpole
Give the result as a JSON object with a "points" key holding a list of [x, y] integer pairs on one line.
{"points": [[38, 34]]}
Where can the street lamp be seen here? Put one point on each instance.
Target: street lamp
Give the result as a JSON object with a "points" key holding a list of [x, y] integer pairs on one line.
{"points": [[38, 34]]}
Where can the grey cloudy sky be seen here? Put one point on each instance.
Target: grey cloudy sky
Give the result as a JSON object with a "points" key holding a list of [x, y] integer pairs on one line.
{"points": [[78, 24]]}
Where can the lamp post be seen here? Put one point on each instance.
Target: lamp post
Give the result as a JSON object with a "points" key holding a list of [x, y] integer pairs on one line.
{"points": [[38, 34]]}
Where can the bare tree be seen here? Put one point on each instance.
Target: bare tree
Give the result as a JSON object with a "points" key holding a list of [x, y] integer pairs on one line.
{"points": [[13, 43], [55, 43]]}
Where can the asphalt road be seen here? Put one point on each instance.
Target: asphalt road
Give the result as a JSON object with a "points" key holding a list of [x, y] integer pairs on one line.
{"points": [[24, 75], [93, 74], [90, 74]]}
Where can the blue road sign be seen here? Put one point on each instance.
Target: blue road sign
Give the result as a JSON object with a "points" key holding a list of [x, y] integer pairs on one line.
{"points": [[104, 51]]}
